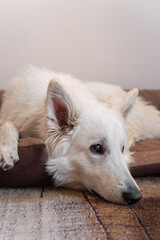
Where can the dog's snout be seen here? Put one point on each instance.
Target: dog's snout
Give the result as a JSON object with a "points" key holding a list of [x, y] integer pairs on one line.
{"points": [[132, 196]]}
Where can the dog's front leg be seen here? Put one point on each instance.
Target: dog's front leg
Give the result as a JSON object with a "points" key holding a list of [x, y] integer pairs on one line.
{"points": [[8, 145]]}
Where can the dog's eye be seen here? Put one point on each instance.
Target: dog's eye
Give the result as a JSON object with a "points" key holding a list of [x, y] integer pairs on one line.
{"points": [[97, 148], [122, 149]]}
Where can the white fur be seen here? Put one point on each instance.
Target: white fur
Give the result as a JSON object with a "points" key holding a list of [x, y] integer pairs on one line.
{"points": [[8, 145], [71, 116], [143, 120]]}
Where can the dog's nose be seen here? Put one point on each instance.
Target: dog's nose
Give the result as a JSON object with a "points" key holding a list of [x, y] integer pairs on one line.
{"points": [[132, 197]]}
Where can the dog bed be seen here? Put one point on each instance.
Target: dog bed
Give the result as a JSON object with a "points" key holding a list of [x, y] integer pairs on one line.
{"points": [[30, 170]]}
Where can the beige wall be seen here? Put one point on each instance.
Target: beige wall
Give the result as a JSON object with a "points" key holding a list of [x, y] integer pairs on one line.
{"points": [[117, 41]]}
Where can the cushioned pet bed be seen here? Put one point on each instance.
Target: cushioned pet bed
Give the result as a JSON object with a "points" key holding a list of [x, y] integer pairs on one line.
{"points": [[30, 170]]}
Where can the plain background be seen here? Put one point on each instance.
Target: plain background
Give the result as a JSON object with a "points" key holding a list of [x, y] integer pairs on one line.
{"points": [[116, 41]]}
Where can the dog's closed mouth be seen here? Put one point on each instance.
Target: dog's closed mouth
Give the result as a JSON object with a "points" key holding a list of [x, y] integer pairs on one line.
{"points": [[96, 194]]}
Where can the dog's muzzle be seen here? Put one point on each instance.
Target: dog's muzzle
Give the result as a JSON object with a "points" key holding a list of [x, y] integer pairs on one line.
{"points": [[96, 194], [132, 196]]}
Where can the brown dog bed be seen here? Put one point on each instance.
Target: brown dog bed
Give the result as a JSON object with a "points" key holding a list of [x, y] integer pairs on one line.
{"points": [[30, 170]]}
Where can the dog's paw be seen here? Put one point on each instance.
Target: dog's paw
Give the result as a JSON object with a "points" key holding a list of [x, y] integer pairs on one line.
{"points": [[8, 156]]}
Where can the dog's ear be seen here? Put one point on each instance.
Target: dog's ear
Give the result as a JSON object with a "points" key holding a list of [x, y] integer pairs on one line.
{"points": [[127, 102], [60, 108]]}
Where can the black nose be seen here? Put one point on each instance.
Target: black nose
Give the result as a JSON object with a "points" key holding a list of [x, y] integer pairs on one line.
{"points": [[132, 197]]}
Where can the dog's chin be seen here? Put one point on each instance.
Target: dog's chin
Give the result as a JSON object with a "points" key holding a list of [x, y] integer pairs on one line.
{"points": [[97, 194], [120, 202]]}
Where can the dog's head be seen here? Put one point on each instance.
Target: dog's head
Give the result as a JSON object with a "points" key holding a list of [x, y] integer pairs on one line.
{"points": [[87, 146]]}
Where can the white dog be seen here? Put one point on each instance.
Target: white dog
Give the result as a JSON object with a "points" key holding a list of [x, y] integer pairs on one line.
{"points": [[84, 127]]}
